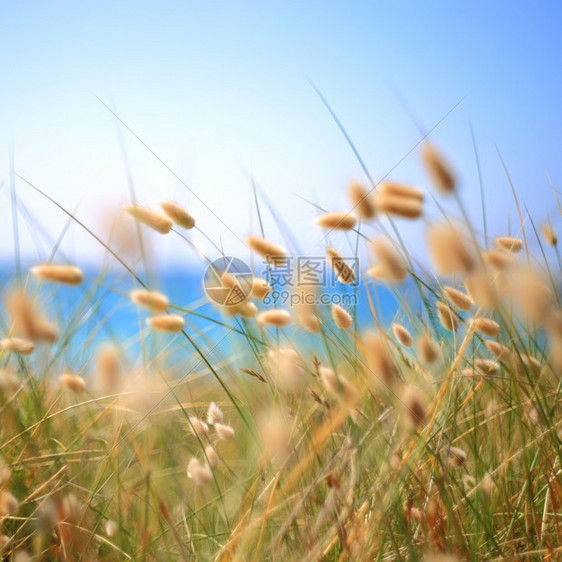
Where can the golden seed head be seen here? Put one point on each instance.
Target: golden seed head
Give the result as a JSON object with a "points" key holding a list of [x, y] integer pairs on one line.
{"points": [[509, 243], [8, 503], [361, 200], [71, 382], [486, 326], [166, 323], [27, 319], [486, 367], [498, 350], [17, 345], [448, 251], [214, 414], [342, 319], [336, 221], [69, 274], [178, 214], [499, 260], [458, 298], [260, 288], [110, 528], [398, 206], [447, 316], [549, 235], [154, 220], [309, 321], [200, 473], [276, 317], [267, 250], [343, 270], [152, 300], [107, 369], [198, 426], [212, 457], [438, 170], [400, 190], [456, 457], [481, 290], [427, 348], [338, 386], [224, 431], [415, 409], [402, 334], [379, 359], [392, 262]]}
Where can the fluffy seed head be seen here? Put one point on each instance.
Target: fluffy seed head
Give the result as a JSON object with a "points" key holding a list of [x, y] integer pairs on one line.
{"points": [[309, 321], [427, 348], [379, 358], [456, 457], [402, 334], [343, 270], [336, 221], [8, 503], [107, 369], [438, 170], [342, 319], [73, 383], [486, 326], [448, 251], [531, 363], [415, 409], [214, 414], [481, 290], [154, 220], [498, 350], [17, 345], [166, 323], [9, 381], [260, 288], [286, 369], [401, 190], [486, 367], [110, 528], [276, 317], [178, 214], [549, 235], [360, 199], [509, 243], [499, 260], [458, 298], [200, 473], [198, 426], [392, 263], [69, 274], [27, 319], [152, 300], [396, 205], [224, 431], [446, 316], [272, 253], [212, 457], [339, 387]]}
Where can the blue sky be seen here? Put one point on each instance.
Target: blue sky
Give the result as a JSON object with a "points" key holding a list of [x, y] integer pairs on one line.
{"points": [[220, 91]]}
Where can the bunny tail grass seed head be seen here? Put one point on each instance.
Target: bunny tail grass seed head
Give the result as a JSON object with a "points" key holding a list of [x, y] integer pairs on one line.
{"points": [[178, 214], [498, 350], [401, 190], [260, 288], [212, 457], [549, 235], [415, 409], [344, 272], [267, 250], [8, 503], [110, 527], [17, 345], [277, 317], [379, 359], [150, 218], [339, 387], [437, 169], [166, 323], [448, 251], [428, 350], [336, 221], [447, 316], [398, 206], [309, 321], [200, 473], [360, 198], [486, 326], [107, 370], [224, 431], [456, 457], [28, 320], [499, 259], [214, 414], [509, 243], [486, 367], [402, 334], [9, 382], [458, 298], [68, 274], [392, 264], [342, 319], [152, 300], [198, 426], [71, 382]]}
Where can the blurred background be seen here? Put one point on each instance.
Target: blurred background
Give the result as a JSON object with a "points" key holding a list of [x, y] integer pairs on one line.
{"points": [[218, 97]]}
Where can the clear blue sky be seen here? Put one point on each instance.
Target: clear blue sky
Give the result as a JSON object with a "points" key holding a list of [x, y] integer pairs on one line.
{"points": [[220, 91]]}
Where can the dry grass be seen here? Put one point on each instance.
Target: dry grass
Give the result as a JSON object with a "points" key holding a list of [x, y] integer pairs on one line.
{"points": [[295, 433]]}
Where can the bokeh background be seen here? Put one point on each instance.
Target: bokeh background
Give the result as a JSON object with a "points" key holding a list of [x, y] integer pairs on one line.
{"points": [[221, 92]]}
